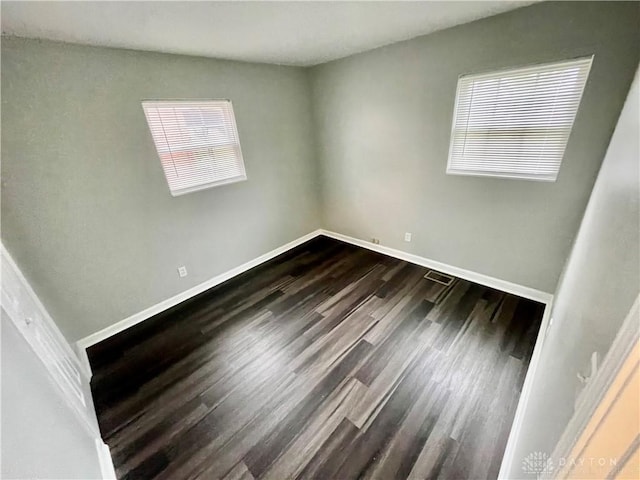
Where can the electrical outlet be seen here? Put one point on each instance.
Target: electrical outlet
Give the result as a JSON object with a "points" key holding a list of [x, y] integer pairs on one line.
{"points": [[182, 271], [407, 237], [375, 241]]}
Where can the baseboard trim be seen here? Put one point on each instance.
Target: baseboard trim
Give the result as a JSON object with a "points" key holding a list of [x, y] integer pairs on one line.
{"points": [[503, 285], [136, 318], [508, 458], [486, 280], [106, 462], [81, 352]]}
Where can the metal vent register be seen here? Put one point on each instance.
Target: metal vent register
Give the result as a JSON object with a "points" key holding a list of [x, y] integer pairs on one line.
{"points": [[439, 277]]}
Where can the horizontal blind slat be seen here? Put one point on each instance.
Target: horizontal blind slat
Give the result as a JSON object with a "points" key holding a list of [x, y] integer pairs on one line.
{"points": [[197, 142], [516, 122]]}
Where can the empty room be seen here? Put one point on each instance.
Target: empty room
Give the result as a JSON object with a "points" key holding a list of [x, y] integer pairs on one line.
{"points": [[320, 240]]}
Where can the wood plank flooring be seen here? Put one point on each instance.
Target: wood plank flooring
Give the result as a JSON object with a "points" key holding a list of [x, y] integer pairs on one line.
{"points": [[329, 361]]}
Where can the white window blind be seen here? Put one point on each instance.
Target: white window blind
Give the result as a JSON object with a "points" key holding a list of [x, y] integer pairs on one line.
{"points": [[197, 142], [515, 123]]}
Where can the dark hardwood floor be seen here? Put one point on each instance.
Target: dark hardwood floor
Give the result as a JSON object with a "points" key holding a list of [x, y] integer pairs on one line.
{"points": [[329, 361]]}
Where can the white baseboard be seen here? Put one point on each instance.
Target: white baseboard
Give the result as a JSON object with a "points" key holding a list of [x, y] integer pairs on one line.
{"points": [[81, 352], [106, 462], [516, 427], [502, 285], [498, 284], [479, 278], [136, 318]]}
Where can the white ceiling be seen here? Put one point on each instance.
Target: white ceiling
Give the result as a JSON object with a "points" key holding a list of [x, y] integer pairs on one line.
{"points": [[293, 33]]}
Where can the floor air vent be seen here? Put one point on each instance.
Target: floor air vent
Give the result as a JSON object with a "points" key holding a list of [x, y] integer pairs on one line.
{"points": [[439, 277]]}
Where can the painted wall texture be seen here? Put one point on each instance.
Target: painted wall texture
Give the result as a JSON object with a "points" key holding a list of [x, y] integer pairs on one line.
{"points": [[358, 146], [597, 289], [383, 122], [86, 211], [41, 435]]}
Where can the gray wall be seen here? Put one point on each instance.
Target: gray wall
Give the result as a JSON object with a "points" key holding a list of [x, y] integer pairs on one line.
{"points": [[598, 287], [384, 118], [41, 436], [87, 215], [86, 212]]}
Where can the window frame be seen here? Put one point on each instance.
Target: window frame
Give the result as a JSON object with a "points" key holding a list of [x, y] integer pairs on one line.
{"points": [[232, 123], [513, 175]]}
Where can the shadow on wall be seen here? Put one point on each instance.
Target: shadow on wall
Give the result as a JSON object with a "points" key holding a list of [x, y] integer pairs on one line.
{"points": [[597, 290]]}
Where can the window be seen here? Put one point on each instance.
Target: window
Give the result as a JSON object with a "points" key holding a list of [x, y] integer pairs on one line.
{"points": [[197, 142], [515, 123]]}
